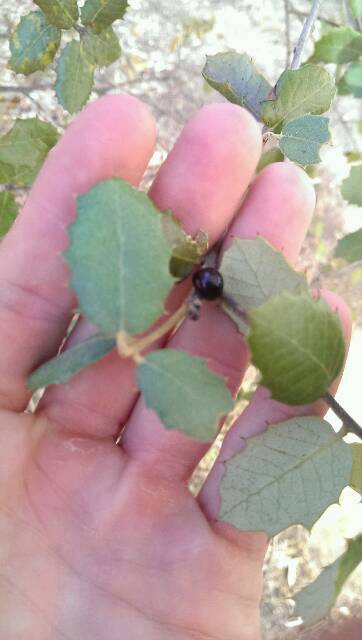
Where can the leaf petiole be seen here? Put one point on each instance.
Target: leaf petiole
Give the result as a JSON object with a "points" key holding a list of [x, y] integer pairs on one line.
{"points": [[130, 347]]}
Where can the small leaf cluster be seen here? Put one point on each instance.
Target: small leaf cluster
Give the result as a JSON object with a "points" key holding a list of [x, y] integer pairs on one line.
{"points": [[291, 110], [342, 46], [37, 39]]}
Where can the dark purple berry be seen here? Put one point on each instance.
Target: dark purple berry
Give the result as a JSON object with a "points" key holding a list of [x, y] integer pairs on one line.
{"points": [[208, 283]]}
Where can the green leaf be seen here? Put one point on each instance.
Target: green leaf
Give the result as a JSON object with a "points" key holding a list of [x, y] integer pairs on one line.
{"points": [[353, 79], [75, 75], [186, 252], [349, 561], [23, 149], [254, 271], [314, 602], [63, 367], [33, 44], [102, 48], [271, 484], [351, 186], [99, 14], [350, 247], [236, 78], [8, 211], [342, 87], [297, 343], [114, 243], [183, 392], [302, 138], [273, 155], [356, 8], [61, 13], [308, 90], [356, 480], [339, 45]]}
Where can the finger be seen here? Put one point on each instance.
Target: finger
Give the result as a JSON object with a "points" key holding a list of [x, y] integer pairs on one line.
{"points": [[281, 195], [114, 136], [202, 181], [262, 412]]}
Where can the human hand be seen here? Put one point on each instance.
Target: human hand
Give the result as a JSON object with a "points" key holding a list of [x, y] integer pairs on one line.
{"points": [[98, 541]]}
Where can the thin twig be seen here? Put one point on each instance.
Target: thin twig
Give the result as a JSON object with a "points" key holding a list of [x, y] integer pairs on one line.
{"points": [[306, 31], [26, 90], [350, 425]]}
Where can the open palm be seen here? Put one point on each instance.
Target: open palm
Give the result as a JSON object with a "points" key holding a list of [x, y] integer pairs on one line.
{"points": [[105, 542]]}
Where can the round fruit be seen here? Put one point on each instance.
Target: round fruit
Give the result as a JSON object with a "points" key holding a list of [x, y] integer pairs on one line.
{"points": [[208, 283]]}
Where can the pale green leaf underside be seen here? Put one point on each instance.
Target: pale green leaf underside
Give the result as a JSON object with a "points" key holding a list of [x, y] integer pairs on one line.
{"points": [[185, 394], [99, 14], [102, 48], [351, 187], [302, 138], [8, 211], [356, 481], [353, 79], [308, 90], [297, 344], [23, 149], [61, 13], [33, 44], [254, 271], [75, 73], [186, 252], [339, 45], [314, 602], [236, 78], [63, 367], [288, 475], [350, 247], [119, 258]]}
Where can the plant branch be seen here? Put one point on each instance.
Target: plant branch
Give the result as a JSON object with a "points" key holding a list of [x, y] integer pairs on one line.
{"points": [[130, 347], [305, 33], [287, 30], [349, 425], [303, 14]]}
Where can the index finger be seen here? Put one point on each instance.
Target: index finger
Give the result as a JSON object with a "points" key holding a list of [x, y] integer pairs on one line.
{"points": [[113, 136]]}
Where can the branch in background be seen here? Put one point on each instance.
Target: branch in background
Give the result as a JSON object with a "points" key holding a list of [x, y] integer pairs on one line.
{"points": [[349, 425], [287, 30], [306, 31], [303, 15]]}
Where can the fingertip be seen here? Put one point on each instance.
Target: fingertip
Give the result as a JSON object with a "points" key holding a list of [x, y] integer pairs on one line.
{"points": [[234, 126], [278, 207], [209, 168], [295, 183], [112, 136]]}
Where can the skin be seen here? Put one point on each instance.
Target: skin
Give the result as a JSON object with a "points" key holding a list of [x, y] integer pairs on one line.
{"points": [[100, 541]]}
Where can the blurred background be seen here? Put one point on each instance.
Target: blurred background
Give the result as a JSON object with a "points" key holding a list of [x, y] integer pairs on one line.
{"points": [[164, 44]]}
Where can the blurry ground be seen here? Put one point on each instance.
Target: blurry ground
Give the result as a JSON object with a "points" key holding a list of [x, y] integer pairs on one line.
{"points": [[164, 46]]}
